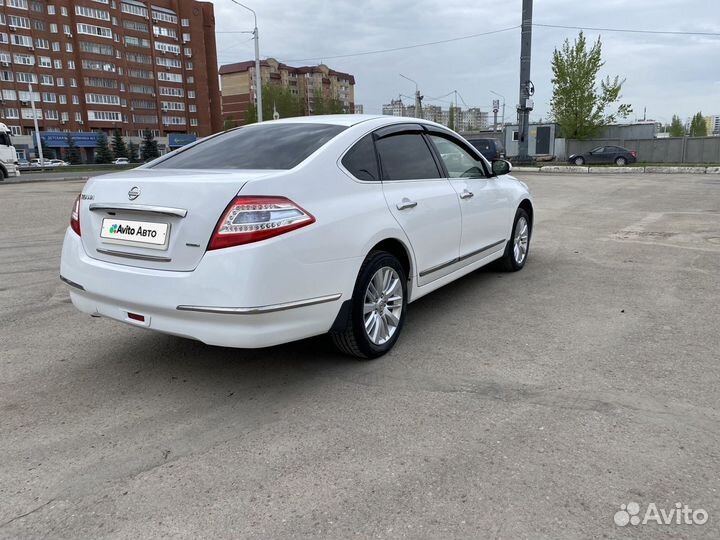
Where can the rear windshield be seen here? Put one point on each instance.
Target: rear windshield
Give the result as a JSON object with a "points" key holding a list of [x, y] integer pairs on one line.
{"points": [[273, 146]]}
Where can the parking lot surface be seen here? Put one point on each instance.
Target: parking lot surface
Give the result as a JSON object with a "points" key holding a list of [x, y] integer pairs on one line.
{"points": [[526, 405]]}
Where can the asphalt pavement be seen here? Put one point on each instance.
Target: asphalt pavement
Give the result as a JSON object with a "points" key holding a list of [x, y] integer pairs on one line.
{"points": [[525, 405]]}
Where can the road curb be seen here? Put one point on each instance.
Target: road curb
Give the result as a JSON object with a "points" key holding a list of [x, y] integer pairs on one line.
{"points": [[571, 169], [614, 170]]}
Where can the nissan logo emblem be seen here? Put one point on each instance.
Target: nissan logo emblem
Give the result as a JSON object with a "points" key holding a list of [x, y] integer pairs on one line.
{"points": [[134, 193]]}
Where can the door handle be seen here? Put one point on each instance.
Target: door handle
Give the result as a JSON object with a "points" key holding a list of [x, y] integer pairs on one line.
{"points": [[466, 194], [406, 203]]}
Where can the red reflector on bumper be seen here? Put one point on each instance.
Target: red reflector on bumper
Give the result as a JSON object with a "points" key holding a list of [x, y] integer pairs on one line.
{"points": [[136, 317]]}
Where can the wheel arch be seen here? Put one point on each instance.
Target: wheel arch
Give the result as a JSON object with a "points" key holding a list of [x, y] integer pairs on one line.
{"points": [[526, 205], [4, 172]]}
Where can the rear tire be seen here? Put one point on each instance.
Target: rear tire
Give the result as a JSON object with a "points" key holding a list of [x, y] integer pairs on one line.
{"points": [[378, 309], [579, 161], [518, 247], [620, 162]]}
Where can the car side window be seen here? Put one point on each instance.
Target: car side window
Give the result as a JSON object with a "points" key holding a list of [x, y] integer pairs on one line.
{"points": [[458, 162], [406, 156], [361, 161]]}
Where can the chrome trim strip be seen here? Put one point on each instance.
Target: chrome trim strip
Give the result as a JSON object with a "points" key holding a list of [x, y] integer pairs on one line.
{"points": [[138, 256], [460, 259], [255, 310], [125, 207], [71, 283]]}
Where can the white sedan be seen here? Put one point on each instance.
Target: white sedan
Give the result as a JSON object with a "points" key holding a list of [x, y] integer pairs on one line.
{"points": [[288, 229]]}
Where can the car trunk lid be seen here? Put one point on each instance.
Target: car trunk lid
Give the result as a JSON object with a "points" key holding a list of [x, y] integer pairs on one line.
{"points": [[161, 219]]}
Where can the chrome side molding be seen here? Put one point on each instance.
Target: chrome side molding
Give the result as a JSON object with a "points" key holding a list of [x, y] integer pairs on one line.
{"points": [[150, 209], [255, 310], [137, 256], [460, 259]]}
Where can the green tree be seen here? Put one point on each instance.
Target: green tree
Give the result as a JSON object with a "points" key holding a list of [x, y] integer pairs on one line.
{"points": [[698, 127], [103, 154], [48, 153], [677, 129], [119, 148], [73, 152], [578, 105], [133, 149], [282, 99], [229, 123], [149, 147]]}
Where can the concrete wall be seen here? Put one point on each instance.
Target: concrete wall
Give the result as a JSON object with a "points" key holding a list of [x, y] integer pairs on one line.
{"points": [[667, 150]]}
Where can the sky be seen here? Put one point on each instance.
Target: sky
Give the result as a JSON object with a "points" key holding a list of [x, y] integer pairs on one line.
{"points": [[666, 74]]}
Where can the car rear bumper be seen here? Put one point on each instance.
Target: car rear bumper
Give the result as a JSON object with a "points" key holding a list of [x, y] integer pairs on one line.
{"points": [[215, 303]]}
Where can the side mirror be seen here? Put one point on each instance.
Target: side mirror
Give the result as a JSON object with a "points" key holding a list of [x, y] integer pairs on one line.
{"points": [[500, 167]]}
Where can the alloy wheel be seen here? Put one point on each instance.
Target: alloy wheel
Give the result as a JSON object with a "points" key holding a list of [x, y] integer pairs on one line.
{"points": [[520, 242], [383, 305]]}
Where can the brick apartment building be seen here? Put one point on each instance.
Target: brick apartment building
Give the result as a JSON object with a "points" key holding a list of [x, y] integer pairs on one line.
{"points": [[108, 64], [238, 85]]}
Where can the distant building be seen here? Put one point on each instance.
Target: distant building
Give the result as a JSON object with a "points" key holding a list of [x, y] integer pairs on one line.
{"points": [[471, 119], [713, 124], [238, 85], [359, 109]]}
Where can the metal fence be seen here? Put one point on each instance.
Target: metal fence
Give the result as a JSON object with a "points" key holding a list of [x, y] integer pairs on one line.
{"points": [[668, 150]]}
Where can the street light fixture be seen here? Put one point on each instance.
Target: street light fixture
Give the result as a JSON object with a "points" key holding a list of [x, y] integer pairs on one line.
{"points": [[258, 78]]}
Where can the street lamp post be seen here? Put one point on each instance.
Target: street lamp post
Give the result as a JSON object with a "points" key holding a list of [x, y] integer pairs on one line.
{"points": [[418, 98], [37, 130], [258, 78], [503, 106]]}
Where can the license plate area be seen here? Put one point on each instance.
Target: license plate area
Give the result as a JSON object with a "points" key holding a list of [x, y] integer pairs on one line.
{"points": [[128, 232]]}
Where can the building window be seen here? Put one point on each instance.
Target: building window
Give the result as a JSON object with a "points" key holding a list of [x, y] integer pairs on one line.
{"points": [[193, 122], [51, 10], [17, 4], [191, 94], [41, 43], [56, 46], [78, 117], [6, 76], [165, 16], [104, 116], [53, 28], [57, 63], [21, 41], [63, 99], [515, 136], [92, 13], [134, 9], [44, 62], [92, 30], [12, 113], [47, 80], [63, 11], [185, 22]]}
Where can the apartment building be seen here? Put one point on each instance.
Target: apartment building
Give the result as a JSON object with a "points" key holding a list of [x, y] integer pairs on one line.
{"points": [[238, 85], [464, 119], [100, 65]]}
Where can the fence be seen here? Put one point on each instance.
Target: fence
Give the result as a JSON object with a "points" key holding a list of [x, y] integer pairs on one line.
{"points": [[668, 150]]}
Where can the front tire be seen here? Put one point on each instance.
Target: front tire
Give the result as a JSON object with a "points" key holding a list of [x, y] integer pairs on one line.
{"points": [[518, 247], [378, 309]]}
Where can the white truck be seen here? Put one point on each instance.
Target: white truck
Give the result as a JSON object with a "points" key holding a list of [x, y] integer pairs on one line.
{"points": [[8, 155]]}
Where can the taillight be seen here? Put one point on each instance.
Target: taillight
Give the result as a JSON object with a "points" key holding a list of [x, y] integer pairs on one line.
{"points": [[251, 219], [75, 216], [634, 153]]}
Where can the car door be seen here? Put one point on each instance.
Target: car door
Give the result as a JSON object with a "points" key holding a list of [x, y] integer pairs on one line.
{"points": [[484, 202], [420, 198], [595, 155]]}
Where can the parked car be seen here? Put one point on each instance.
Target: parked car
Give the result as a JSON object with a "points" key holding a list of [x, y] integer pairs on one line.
{"points": [[605, 154], [283, 230], [490, 148], [35, 162], [58, 163], [24, 164], [121, 161]]}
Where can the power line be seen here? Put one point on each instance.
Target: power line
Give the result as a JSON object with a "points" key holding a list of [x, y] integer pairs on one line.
{"points": [[630, 30], [379, 51]]}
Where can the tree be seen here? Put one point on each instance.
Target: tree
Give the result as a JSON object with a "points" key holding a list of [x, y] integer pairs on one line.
{"points": [[698, 127], [102, 150], [578, 105], [451, 118], [229, 123], [119, 148], [282, 99], [48, 153], [149, 146], [133, 149], [73, 152], [677, 129]]}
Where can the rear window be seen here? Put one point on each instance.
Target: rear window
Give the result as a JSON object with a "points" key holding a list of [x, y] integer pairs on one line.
{"points": [[274, 146]]}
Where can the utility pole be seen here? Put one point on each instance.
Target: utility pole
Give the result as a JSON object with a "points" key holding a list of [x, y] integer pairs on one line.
{"points": [[258, 75], [526, 86], [418, 97], [37, 130]]}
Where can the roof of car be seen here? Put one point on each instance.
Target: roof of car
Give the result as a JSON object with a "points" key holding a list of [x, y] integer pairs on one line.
{"points": [[348, 119]]}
